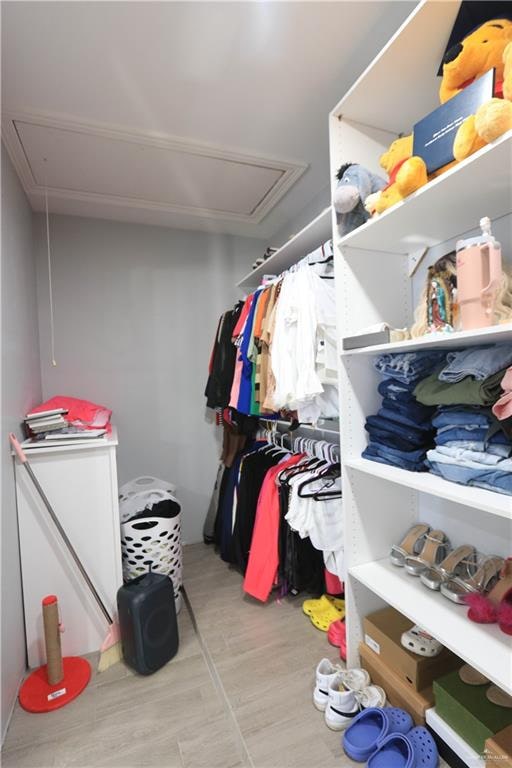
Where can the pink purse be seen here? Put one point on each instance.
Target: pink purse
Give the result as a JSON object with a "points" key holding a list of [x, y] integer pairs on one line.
{"points": [[478, 278]]}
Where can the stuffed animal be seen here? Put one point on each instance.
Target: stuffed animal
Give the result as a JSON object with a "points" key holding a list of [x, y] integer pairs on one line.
{"points": [[355, 184], [406, 173], [485, 48]]}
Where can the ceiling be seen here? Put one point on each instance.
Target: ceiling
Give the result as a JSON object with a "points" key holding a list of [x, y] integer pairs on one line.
{"points": [[200, 115]]}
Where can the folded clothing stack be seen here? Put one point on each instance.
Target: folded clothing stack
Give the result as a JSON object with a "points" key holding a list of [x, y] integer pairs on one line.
{"points": [[472, 446], [401, 432]]}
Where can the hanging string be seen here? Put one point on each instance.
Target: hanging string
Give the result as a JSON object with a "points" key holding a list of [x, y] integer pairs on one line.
{"points": [[50, 286]]}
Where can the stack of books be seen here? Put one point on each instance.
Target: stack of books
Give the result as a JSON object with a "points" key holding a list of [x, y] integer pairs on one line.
{"points": [[52, 427], [44, 422]]}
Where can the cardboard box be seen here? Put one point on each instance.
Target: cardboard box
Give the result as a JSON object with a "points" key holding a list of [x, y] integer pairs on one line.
{"points": [[382, 632], [498, 749], [399, 693], [468, 711]]}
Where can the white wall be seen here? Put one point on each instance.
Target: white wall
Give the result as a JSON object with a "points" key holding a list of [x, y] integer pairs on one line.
{"points": [[21, 389], [136, 309], [315, 206]]}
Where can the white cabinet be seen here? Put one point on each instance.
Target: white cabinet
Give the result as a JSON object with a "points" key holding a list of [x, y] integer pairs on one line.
{"points": [[80, 482], [373, 284]]}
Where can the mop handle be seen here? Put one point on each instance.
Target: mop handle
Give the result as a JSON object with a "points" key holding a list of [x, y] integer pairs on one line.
{"points": [[22, 457]]}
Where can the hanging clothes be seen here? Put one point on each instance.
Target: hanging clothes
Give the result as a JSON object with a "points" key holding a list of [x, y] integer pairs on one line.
{"points": [[283, 347]]}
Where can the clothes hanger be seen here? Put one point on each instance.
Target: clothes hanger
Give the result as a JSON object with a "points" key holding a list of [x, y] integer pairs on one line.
{"points": [[330, 471]]}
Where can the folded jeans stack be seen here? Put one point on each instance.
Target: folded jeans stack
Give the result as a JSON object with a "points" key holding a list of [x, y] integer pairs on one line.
{"points": [[471, 377], [471, 446], [401, 432], [471, 449]]}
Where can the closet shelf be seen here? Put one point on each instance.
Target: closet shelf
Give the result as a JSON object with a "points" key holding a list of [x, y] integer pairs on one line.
{"points": [[484, 646], [315, 234], [487, 501], [461, 748], [492, 335], [446, 207]]}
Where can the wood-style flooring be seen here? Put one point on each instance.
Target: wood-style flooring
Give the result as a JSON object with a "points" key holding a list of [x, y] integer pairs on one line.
{"points": [[238, 693]]}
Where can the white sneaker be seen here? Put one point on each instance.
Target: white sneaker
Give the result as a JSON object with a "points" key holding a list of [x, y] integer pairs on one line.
{"points": [[372, 696], [342, 706], [325, 672], [355, 679]]}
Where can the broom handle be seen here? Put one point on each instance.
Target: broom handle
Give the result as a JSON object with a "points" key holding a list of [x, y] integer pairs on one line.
{"points": [[22, 457]]}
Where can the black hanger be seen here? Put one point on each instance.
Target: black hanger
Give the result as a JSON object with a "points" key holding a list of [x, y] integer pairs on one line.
{"points": [[297, 469], [331, 471]]}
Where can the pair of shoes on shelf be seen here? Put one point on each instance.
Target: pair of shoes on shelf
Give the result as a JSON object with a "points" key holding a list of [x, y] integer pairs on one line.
{"points": [[420, 549], [490, 594], [387, 738], [324, 611], [342, 693], [471, 676], [485, 584]]}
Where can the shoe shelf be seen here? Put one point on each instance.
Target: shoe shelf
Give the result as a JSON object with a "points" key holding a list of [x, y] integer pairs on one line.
{"points": [[484, 646], [486, 501], [315, 234], [447, 206], [460, 747], [492, 335]]}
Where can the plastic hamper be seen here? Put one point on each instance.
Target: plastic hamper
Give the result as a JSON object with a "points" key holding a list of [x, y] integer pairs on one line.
{"points": [[151, 530]]}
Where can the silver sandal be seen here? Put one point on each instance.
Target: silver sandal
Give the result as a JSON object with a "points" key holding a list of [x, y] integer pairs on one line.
{"points": [[411, 544], [481, 581], [433, 552], [452, 565]]}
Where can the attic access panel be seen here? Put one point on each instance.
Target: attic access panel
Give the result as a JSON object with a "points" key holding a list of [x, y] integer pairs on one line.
{"points": [[149, 170]]}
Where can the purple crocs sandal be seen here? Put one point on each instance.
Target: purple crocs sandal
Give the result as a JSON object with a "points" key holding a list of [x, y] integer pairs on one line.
{"points": [[368, 730], [417, 749]]}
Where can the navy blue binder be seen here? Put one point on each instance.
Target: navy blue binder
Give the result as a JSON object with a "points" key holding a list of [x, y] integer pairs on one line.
{"points": [[434, 134]]}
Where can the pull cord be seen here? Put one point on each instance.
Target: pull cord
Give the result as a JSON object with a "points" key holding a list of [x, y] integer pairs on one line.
{"points": [[50, 285]]}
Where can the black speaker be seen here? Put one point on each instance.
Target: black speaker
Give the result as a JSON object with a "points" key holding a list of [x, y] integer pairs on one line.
{"points": [[147, 619]]}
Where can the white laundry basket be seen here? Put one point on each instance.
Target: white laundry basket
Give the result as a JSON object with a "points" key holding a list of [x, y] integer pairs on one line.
{"points": [[150, 542]]}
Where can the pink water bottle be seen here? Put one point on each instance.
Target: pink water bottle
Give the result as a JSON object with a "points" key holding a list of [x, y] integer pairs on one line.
{"points": [[478, 277]]}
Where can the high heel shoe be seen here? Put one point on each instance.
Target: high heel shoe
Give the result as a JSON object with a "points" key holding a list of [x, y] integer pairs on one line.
{"points": [[452, 565], [496, 604], [411, 544], [433, 552], [457, 589]]}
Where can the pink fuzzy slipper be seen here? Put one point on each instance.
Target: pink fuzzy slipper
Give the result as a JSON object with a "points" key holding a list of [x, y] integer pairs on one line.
{"points": [[481, 609], [505, 616]]}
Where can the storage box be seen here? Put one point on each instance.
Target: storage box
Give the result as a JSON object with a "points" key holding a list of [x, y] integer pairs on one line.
{"points": [[468, 711], [398, 692], [382, 632], [498, 749]]}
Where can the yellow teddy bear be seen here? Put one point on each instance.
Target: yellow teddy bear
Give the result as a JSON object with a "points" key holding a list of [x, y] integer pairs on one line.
{"points": [[486, 48], [406, 173]]}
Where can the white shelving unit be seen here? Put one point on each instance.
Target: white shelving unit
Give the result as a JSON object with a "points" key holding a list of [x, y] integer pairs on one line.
{"points": [[491, 335], [313, 235], [460, 747], [373, 285]]}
